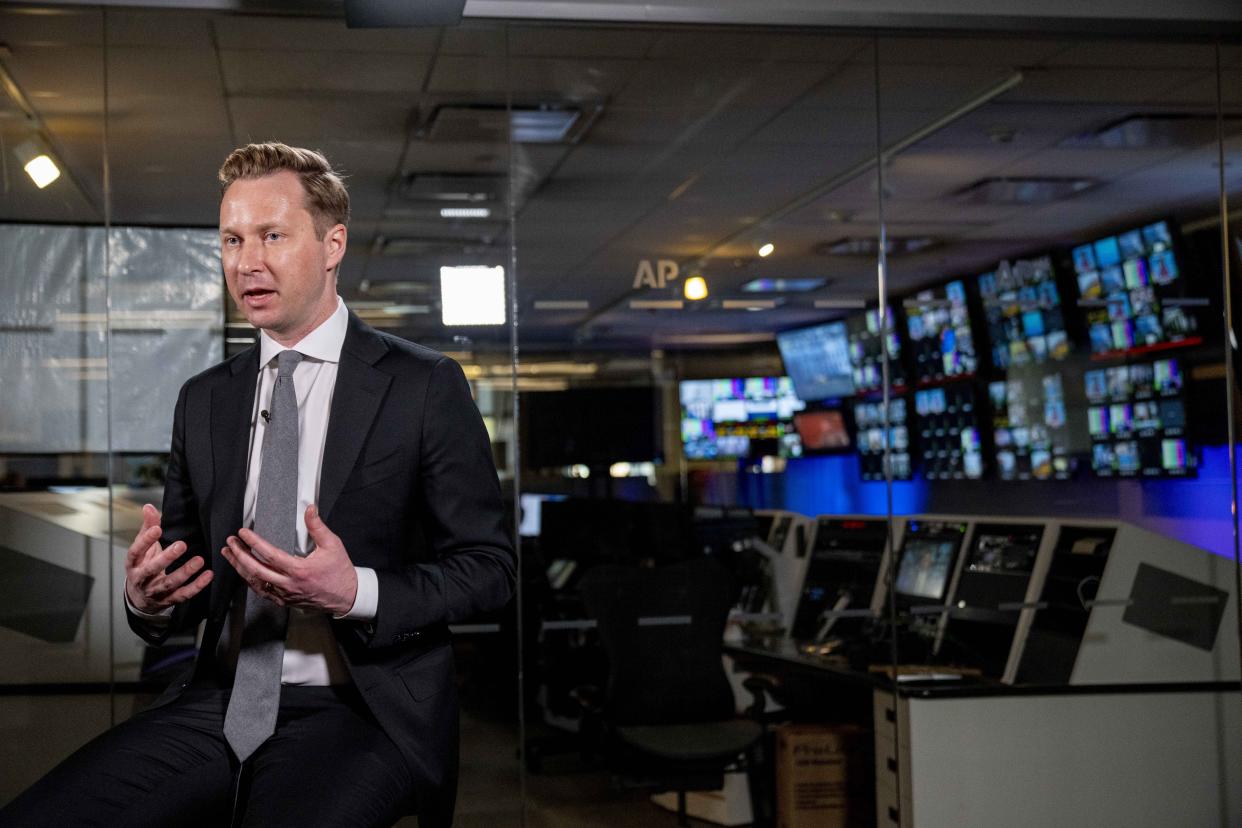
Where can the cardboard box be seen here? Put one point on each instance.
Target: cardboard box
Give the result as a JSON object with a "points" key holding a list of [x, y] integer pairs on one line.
{"points": [[820, 780]]}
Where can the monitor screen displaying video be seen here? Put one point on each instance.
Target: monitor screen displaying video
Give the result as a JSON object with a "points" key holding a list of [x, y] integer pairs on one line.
{"points": [[948, 433], [1023, 308], [1030, 427], [1136, 416], [739, 418], [928, 553], [1128, 286], [817, 360], [868, 343], [869, 420], [822, 431], [941, 342]]}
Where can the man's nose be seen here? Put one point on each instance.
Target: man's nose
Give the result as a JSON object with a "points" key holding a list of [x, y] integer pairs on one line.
{"points": [[250, 258]]}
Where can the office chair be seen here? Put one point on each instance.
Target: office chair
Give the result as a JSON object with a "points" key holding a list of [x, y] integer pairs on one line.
{"points": [[667, 713]]}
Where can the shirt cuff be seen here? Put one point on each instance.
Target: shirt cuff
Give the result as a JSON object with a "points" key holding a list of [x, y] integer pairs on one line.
{"points": [[157, 617], [366, 601]]}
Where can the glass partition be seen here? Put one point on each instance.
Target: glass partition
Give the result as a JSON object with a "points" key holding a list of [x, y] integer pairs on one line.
{"points": [[56, 625], [1053, 212]]}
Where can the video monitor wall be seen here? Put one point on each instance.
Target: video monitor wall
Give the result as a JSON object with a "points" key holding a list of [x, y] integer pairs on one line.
{"points": [[739, 418], [867, 345], [1123, 281], [948, 433], [1023, 309], [817, 360], [1136, 417], [869, 418], [941, 342], [1030, 427]]}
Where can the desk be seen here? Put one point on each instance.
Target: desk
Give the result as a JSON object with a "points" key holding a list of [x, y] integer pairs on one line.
{"points": [[973, 754]]}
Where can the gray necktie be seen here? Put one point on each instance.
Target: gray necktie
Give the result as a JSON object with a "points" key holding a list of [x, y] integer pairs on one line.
{"points": [[251, 716]]}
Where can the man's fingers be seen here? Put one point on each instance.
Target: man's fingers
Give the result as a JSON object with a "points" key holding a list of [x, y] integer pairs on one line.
{"points": [[267, 554], [253, 571], [316, 528], [157, 562], [173, 580], [191, 589], [150, 516], [141, 546]]}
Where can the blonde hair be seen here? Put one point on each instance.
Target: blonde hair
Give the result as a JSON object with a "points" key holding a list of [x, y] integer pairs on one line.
{"points": [[327, 200]]}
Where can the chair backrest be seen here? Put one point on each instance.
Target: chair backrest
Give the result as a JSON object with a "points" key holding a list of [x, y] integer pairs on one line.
{"points": [[662, 630]]}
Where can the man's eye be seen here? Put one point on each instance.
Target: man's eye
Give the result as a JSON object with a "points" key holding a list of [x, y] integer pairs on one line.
{"points": [[273, 236]]}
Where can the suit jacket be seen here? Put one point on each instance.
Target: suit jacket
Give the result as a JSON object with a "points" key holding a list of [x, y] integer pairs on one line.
{"points": [[409, 485]]}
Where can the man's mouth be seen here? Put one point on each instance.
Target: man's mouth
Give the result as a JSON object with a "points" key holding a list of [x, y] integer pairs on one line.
{"points": [[257, 297]]}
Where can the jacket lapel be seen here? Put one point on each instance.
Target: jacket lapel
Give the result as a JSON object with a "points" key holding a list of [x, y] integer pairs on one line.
{"points": [[360, 389], [232, 403]]}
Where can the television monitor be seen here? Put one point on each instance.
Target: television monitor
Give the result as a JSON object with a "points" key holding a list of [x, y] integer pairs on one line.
{"points": [[1136, 418], [817, 360], [1130, 286], [925, 564], [939, 333], [872, 435], [1030, 427], [591, 426], [1023, 307], [531, 506], [822, 431], [948, 433], [739, 418], [868, 342], [840, 578], [990, 591]]}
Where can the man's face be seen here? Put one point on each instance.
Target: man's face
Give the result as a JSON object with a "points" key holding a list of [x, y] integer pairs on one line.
{"points": [[279, 271]]}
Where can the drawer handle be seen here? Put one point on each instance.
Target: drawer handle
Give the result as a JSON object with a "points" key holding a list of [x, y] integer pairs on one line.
{"points": [[892, 764], [890, 715], [892, 814]]}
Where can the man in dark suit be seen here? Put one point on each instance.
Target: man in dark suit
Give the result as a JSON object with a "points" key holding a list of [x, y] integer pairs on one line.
{"points": [[399, 532]]}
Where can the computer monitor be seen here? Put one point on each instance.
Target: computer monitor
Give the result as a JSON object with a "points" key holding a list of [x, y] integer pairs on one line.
{"points": [[947, 426], [1023, 307], [1136, 418], [939, 333], [1129, 285], [868, 342], [1031, 429], [925, 564], [817, 359], [840, 578], [739, 417], [873, 433], [992, 587]]}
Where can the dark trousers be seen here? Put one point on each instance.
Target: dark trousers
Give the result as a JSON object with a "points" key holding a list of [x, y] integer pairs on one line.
{"points": [[327, 764]]}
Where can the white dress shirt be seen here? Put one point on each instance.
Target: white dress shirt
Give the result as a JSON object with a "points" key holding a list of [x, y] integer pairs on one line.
{"points": [[311, 656]]}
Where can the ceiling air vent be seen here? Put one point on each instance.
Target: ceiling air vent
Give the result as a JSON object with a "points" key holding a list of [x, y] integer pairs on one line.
{"points": [[493, 124], [453, 188], [1155, 131], [427, 248], [870, 245], [1025, 191]]}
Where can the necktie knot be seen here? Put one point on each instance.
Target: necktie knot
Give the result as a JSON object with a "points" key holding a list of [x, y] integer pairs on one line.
{"points": [[286, 361]]}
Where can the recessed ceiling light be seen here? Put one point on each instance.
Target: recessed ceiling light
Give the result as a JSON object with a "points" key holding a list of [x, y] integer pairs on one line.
{"points": [[465, 212], [783, 285], [869, 245], [766, 249], [472, 295], [37, 163], [1022, 190], [695, 288]]}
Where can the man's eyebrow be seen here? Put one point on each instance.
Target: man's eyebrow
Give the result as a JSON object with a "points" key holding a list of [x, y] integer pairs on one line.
{"points": [[262, 228]]}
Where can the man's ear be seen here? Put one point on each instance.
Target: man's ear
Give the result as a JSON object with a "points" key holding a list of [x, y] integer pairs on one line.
{"points": [[334, 243]]}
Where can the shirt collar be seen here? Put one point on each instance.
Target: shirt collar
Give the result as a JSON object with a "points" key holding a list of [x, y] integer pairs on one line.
{"points": [[323, 344]]}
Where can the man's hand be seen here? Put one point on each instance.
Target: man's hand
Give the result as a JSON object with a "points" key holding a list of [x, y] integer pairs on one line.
{"points": [[147, 587], [324, 580]]}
